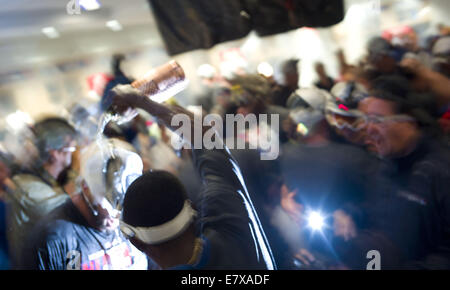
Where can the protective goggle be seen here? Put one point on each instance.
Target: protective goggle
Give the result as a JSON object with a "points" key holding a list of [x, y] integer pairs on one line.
{"points": [[161, 233], [353, 123], [386, 119], [70, 149]]}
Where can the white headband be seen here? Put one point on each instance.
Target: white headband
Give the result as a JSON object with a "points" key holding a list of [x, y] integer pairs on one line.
{"points": [[164, 232]]}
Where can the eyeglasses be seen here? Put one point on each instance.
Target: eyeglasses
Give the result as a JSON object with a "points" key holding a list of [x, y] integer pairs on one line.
{"points": [[69, 149], [386, 119], [345, 122]]}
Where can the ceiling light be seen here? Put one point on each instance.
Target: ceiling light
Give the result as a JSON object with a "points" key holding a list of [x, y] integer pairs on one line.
{"points": [[206, 71], [50, 32], [265, 69], [89, 5], [114, 25], [18, 120]]}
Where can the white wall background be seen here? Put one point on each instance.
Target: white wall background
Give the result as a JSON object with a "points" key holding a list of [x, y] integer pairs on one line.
{"points": [[41, 89]]}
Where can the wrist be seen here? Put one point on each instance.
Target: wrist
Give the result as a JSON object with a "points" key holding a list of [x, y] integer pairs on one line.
{"points": [[141, 101], [422, 71]]}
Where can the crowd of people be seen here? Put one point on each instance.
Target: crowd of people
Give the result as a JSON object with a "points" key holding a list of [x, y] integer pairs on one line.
{"points": [[363, 165]]}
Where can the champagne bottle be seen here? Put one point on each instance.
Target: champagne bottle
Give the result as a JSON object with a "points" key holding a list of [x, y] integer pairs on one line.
{"points": [[163, 82]]}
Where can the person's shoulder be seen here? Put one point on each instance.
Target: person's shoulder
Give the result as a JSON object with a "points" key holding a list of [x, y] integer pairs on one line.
{"points": [[33, 186], [58, 222], [351, 152], [435, 160], [276, 109], [291, 146], [24, 179], [49, 235], [435, 150]]}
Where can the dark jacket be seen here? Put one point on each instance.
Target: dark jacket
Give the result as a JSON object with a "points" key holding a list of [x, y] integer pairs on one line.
{"points": [[228, 221], [408, 202]]}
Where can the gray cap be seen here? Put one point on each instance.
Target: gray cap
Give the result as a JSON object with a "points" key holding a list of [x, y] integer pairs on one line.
{"points": [[314, 112], [345, 97], [52, 134]]}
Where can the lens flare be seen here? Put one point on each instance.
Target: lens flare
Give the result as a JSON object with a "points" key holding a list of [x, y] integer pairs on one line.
{"points": [[316, 221]]}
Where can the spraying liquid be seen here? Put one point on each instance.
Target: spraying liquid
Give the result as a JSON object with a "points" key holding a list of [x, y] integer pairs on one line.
{"points": [[159, 84]]}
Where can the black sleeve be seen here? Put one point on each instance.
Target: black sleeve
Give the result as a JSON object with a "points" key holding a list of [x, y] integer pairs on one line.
{"points": [[226, 205], [437, 224]]}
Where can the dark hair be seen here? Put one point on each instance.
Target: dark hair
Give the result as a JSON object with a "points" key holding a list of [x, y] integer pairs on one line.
{"points": [[290, 66], [52, 134], [395, 88], [154, 198]]}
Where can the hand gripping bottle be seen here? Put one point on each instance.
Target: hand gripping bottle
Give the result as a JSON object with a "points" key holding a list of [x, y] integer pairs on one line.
{"points": [[163, 82]]}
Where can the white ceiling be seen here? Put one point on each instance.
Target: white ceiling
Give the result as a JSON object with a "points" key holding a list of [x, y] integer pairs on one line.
{"points": [[22, 44]]}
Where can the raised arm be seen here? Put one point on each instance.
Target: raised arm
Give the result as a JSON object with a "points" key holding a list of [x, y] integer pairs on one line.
{"points": [[225, 200], [436, 82]]}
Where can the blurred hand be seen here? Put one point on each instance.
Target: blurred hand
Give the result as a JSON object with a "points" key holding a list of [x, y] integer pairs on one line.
{"points": [[305, 257], [290, 206], [412, 65], [4, 172], [343, 225], [125, 97]]}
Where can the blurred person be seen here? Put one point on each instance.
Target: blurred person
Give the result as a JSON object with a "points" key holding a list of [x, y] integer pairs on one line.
{"points": [[264, 183], [403, 36], [251, 95], [83, 233], [5, 185], [84, 123], [291, 76], [135, 130], [431, 88], [86, 126], [119, 77], [223, 102], [321, 175], [212, 86], [407, 201], [359, 74], [325, 82], [350, 73], [343, 64], [19, 147], [161, 221], [37, 192], [444, 30], [382, 56], [342, 114], [427, 80], [441, 56]]}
